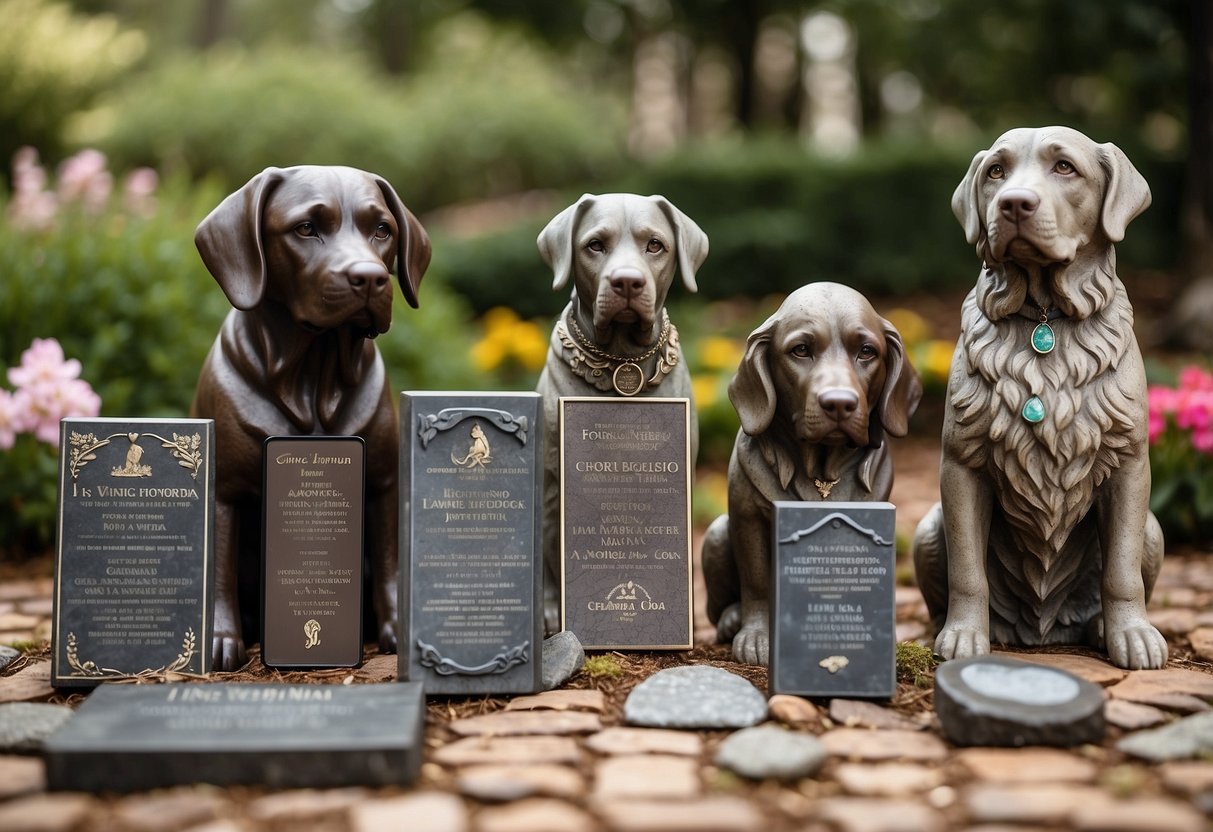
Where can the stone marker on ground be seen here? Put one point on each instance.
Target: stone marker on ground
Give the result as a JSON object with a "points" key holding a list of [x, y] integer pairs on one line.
{"points": [[314, 501], [1191, 736], [134, 557], [832, 599], [993, 700], [136, 737], [563, 656], [625, 515], [695, 696], [470, 542], [7, 655], [24, 725], [770, 751]]}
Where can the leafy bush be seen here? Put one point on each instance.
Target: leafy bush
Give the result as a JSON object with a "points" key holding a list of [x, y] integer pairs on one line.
{"points": [[1181, 457]]}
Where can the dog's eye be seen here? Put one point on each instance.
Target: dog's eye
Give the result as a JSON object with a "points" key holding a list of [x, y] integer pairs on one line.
{"points": [[802, 351], [995, 172], [1064, 167], [306, 229], [383, 231], [596, 246], [655, 246], [867, 352]]}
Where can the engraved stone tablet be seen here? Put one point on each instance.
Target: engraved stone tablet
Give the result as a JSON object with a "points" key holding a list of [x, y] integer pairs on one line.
{"points": [[625, 506], [832, 605], [134, 556], [314, 503], [470, 544], [135, 737]]}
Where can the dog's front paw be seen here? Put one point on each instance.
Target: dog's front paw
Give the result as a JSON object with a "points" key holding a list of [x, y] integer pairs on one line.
{"points": [[729, 623], [551, 616], [1135, 644], [961, 641], [752, 645], [227, 652], [387, 637]]}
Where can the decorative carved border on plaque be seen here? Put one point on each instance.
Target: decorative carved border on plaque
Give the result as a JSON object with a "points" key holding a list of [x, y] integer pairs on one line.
{"points": [[89, 669], [185, 448], [430, 425], [795, 537], [433, 659]]}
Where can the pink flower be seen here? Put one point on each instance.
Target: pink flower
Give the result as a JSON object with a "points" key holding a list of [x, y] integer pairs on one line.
{"points": [[32, 207], [43, 362], [1157, 426], [48, 389], [10, 420], [1194, 378], [84, 178], [139, 191]]}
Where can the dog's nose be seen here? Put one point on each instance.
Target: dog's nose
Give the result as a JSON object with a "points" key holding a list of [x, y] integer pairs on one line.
{"points": [[627, 282], [366, 274], [838, 403], [1017, 204]]}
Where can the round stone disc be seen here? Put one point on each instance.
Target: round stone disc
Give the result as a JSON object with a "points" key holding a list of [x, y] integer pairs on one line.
{"points": [[1034, 410], [1043, 339]]}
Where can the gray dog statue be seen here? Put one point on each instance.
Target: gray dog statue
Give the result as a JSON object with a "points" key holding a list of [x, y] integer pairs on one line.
{"points": [[305, 255], [1044, 534], [621, 252], [821, 384]]}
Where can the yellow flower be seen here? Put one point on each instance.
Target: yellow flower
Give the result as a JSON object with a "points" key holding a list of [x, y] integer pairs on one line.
{"points": [[939, 358], [719, 353], [529, 344], [499, 321], [704, 389], [487, 354], [910, 324]]}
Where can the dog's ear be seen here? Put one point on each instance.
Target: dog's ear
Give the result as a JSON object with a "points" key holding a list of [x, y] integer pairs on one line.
{"points": [[752, 390], [229, 240], [1127, 193], [412, 244], [556, 241], [902, 389], [965, 204], [692, 242]]}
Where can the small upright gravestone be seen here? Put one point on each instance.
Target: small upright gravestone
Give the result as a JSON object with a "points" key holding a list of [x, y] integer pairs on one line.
{"points": [[134, 560], [471, 560]]}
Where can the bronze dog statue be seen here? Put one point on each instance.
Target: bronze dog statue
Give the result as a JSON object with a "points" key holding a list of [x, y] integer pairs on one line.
{"points": [[821, 383], [621, 252], [1044, 534], [305, 255]]}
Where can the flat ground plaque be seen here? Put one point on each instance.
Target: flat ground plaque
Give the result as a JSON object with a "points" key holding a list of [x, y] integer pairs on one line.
{"points": [[135, 737], [470, 544], [314, 502], [134, 559], [832, 604], [625, 512]]}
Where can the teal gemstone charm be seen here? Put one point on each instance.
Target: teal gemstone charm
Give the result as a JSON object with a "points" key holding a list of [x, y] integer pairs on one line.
{"points": [[1043, 339], [1034, 410]]}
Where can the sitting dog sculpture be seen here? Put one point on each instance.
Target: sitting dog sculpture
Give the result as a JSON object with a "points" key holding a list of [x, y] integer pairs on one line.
{"points": [[304, 254], [821, 383], [1044, 534], [621, 252]]}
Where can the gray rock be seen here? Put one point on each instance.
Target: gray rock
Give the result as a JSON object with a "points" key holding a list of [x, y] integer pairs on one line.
{"points": [[24, 725], [1189, 737], [7, 655], [992, 700], [698, 696], [769, 751], [563, 656]]}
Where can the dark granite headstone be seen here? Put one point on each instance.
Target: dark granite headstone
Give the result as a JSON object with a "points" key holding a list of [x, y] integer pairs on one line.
{"points": [[136, 737], [314, 502], [625, 512], [470, 543], [134, 560], [832, 605]]}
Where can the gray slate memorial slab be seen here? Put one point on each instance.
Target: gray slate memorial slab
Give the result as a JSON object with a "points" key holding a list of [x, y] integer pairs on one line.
{"points": [[833, 630], [134, 560], [136, 737], [991, 700], [470, 544], [625, 513], [695, 696], [311, 592], [24, 725], [1191, 736]]}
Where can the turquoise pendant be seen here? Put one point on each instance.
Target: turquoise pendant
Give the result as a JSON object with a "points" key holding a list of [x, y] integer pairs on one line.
{"points": [[1043, 339], [1033, 410]]}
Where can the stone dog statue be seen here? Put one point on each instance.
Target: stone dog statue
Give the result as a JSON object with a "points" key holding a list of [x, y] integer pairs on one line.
{"points": [[1044, 534], [305, 255], [821, 384], [621, 252]]}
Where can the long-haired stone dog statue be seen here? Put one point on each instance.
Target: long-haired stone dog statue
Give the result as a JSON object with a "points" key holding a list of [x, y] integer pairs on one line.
{"points": [[305, 256], [1044, 533], [621, 252], [821, 383]]}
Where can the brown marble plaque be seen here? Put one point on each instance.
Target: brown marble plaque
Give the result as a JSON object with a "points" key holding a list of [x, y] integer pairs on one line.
{"points": [[625, 536], [313, 543]]}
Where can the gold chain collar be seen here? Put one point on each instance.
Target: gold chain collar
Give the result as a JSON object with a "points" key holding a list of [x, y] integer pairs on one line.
{"points": [[592, 363]]}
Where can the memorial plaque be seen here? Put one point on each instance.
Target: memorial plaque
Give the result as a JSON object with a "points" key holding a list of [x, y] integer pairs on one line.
{"points": [[625, 509], [314, 503], [136, 737], [134, 559], [832, 604], [470, 544]]}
